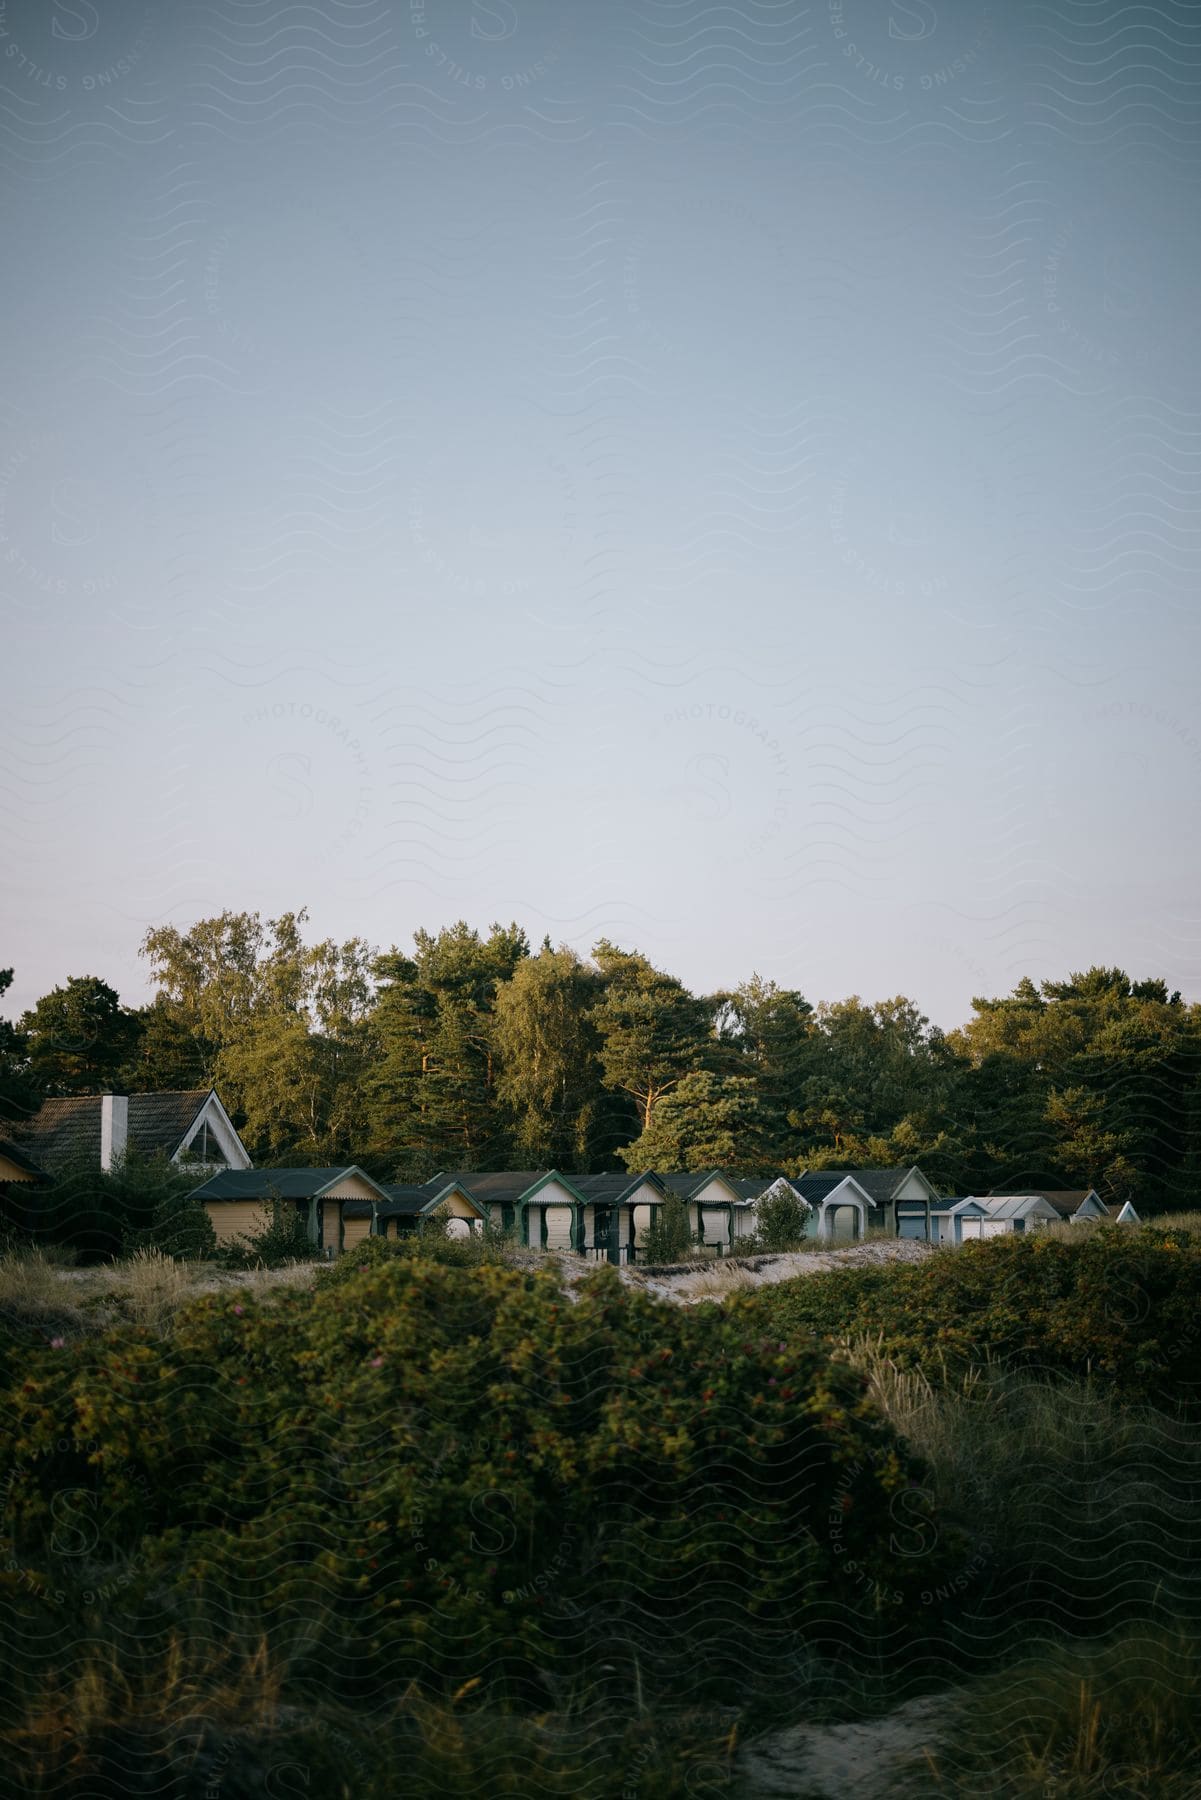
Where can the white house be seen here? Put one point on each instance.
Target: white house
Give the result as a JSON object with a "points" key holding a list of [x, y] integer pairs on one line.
{"points": [[840, 1206], [1009, 1213], [951, 1220], [716, 1206], [1084, 1203]]}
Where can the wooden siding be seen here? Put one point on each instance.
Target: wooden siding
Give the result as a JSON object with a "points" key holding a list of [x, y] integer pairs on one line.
{"points": [[331, 1225], [237, 1218], [354, 1231], [353, 1188]]}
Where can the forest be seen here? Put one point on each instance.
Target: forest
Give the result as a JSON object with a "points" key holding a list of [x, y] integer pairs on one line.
{"points": [[475, 1050]]}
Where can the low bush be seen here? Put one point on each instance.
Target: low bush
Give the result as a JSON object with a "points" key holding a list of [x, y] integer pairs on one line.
{"points": [[432, 1475], [285, 1239], [668, 1236], [1120, 1306]]}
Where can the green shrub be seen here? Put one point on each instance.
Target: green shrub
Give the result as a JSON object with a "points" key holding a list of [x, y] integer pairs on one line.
{"points": [[1117, 1305], [781, 1219], [101, 1213], [435, 1475], [180, 1227], [668, 1236], [286, 1239]]}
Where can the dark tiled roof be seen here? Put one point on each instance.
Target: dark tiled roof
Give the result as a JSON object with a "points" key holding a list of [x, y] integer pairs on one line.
{"points": [[755, 1188], [688, 1185], [491, 1187], [403, 1201], [262, 1184], [881, 1184], [22, 1159], [68, 1130], [822, 1183], [611, 1186], [161, 1121]]}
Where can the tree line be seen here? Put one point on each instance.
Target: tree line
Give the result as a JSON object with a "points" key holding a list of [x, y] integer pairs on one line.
{"points": [[474, 1050]]}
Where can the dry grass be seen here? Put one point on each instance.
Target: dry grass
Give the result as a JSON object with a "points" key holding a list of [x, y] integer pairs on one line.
{"points": [[1176, 1221], [34, 1294], [147, 1289]]}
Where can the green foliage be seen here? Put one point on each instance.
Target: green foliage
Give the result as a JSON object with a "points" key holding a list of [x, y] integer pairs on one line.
{"points": [[433, 1475], [668, 1236], [706, 1121], [653, 1031], [180, 1226], [431, 1097], [781, 1219], [17, 1092], [1116, 1305], [547, 1050], [80, 1038], [141, 1202], [471, 1053]]}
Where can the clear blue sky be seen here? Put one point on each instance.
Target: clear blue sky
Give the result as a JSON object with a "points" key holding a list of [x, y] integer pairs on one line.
{"points": [[720, 477]]}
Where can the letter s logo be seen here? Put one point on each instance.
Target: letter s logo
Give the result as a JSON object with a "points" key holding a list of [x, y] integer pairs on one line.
{"points": [[290, 772], [279, 1782], [708, 793], [918, 1525], [923, 22], [500, 13], [74, 1514], [493, 1512], [84, 15]]}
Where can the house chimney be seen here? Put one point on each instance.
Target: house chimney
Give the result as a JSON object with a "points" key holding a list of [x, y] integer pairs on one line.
{"points": [[114, 1128]]}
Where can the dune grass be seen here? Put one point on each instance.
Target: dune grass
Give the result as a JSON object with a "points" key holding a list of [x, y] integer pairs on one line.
{"points": [[1117, 1719]]}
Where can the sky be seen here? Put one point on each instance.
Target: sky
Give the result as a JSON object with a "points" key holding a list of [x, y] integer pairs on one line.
{"points": [[718, 477]]}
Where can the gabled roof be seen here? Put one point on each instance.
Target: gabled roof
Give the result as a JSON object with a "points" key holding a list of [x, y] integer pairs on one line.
{"points": [[495, 1187], [754, 1187], [16, 1155], [1123, 1214], [1018, 1206], [821, 1184], [611, 1187], [1066, 1201], [287, 1184], [556, 1175], [882, 1184], [402, 1200], [951, 1203], [688, 1186], [68, 1130]]}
